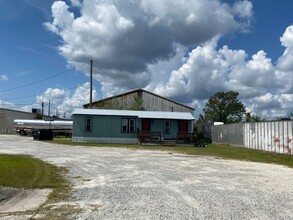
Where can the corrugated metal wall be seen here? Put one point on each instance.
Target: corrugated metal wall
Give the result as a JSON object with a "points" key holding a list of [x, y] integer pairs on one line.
{"points": [[273, 136], [231, 134], [156, 103], [121, 102], [150, 103], [269, 136], [204, 130]]}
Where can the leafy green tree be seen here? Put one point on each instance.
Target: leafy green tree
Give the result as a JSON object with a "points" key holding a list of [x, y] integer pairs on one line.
{"points": [[223, 107], [38, 116], [253, 118], [137, 104]]}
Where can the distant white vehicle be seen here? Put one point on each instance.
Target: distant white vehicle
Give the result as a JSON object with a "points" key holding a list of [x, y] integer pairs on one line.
{"points": [[25, 127], [218, 123]]}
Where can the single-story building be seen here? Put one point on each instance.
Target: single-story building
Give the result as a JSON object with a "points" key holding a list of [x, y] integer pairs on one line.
{"points": [[127, 126]]}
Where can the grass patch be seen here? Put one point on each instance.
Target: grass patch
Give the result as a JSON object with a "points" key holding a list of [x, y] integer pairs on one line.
{"points": [[215, 150], [22, 171], [26, 172], [240, 153]]}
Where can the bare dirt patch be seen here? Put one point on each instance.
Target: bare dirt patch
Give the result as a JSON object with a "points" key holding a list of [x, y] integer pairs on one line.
{"points": [[15, 203]]}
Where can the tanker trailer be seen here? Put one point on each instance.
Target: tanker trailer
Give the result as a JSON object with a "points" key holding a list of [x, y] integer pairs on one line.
{"points": [[25, 126]]}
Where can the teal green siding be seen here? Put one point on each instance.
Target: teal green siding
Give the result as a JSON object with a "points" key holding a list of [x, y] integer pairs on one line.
{"points": [[102, 126], [110, 126], [158, 125]]}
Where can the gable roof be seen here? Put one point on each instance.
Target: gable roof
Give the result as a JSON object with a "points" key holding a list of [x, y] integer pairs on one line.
{"points": [[139, 114], [135, 91]]}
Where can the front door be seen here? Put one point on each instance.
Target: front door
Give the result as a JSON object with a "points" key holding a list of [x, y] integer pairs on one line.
{"points": [[183, 126], [146, 125]]}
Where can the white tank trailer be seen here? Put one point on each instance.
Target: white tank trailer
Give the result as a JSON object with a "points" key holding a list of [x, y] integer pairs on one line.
{"points": [[25, 127]]}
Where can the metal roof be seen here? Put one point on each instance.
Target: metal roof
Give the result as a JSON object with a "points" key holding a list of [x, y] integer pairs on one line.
{"points": [[139, 114]]}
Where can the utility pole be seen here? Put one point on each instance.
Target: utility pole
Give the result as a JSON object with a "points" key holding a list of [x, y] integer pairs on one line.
{"points": [[49, 110], [91, 84], [57, 113], [42, 110]]}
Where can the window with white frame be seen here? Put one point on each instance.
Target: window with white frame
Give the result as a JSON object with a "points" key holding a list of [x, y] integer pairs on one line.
{"points": [[131, 125], [167, 127], [88, 124], [128, 125], [124, 125]]}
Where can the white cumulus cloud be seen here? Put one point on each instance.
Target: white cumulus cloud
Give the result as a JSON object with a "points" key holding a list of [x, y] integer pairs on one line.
{"points": [[170, 47], [265, 88], [285, 62], [65, 101], [3, 78], [127, 39], [76, 3]]}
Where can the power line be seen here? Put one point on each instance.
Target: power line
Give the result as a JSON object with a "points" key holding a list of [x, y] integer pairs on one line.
{"points": [[41, 80], [15, 98], [2, 101], [94, 65], [108, 74], [24, 97], [17, 104]]}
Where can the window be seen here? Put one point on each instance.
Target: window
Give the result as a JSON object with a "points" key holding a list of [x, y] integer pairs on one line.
{"points": [[88, 124], [167, 126], [124, 125], [131, 125], [128, 125]]}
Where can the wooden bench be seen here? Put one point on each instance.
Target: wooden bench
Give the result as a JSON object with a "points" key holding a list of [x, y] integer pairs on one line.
{"points": [[186, 137], [149, 136]]}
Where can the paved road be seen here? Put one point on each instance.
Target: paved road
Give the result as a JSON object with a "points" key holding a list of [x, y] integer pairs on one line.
{"points": [[112, 183]]}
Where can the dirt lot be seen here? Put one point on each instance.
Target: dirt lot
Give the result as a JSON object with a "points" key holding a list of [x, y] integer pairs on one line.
{"points": [[112, 183]]}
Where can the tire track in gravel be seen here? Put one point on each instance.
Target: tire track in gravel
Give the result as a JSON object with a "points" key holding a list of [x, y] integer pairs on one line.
{"points": [[117, 183]]}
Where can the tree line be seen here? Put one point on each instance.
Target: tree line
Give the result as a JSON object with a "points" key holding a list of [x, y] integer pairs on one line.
{"points": [[225, 107]]}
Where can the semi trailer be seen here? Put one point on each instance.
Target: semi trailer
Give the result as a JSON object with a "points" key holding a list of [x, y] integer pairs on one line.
{"points": [[26, 127]]}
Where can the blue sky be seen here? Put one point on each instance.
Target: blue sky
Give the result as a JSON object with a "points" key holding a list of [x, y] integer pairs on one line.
{"points": [[270, 19], [186, 55]]}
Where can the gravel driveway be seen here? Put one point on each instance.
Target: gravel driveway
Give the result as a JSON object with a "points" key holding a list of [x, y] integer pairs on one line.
{"points": [[114, 183]]}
